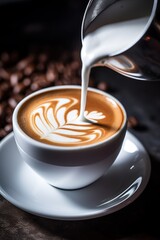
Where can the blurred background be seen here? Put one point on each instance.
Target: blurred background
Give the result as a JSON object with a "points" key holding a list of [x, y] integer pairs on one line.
{"points": [[40, 43], [39, 47]]}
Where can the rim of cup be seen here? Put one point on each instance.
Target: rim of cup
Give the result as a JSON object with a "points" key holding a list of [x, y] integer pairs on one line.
{"points": [[37, 143]]}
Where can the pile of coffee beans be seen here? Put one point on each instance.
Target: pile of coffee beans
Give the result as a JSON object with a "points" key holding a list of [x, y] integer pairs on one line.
{"points": [[24, 73]]}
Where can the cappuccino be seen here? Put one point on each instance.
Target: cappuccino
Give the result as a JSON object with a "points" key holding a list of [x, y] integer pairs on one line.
{"points": [[52, 117]]}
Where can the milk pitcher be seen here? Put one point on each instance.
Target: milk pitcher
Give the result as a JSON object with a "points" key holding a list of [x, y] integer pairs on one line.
{"points": [[132, 36]]}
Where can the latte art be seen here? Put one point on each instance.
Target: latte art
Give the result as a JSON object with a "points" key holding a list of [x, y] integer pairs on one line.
{"points": [[55, 122], [53, 117]]}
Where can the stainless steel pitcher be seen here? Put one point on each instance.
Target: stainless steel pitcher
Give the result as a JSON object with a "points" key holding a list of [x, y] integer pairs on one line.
{"points": [[140, 61]]}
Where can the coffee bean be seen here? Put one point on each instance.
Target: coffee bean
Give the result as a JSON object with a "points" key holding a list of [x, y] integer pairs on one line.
{"points": [[51, 75], [8, 118], [19, 88], [8, 128], [75, 65], [15, 78], [4, 74], [22, 64], [35, 86], [132, 122], [29, 69], [12, 102], [102, 86], [60, 67], [40, 81], [27, 82]]}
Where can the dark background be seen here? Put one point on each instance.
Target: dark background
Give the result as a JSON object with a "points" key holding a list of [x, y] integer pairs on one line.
{"points": [[56, 24]]}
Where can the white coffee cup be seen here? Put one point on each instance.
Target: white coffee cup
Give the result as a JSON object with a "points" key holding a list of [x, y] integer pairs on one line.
{"points": [[68, 167]]}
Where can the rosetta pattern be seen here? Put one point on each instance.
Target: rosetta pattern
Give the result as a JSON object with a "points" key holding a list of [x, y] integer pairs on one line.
{"points": [[57, 121]]}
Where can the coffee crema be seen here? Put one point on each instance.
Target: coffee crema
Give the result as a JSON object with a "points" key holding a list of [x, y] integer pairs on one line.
{"points": [[52, 117]]}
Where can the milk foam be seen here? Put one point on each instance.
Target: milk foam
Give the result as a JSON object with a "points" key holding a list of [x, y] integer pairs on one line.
{"points": [[58, 121]]}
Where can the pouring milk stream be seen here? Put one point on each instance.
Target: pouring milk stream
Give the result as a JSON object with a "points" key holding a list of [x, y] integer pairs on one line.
{"points": [[95, 46], [104, 40]]}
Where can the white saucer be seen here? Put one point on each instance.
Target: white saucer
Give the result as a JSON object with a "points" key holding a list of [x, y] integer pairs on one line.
{"points": [[124, 182]]}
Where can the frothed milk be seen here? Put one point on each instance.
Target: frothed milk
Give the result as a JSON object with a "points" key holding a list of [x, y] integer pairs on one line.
{"points": [[110, 39]]}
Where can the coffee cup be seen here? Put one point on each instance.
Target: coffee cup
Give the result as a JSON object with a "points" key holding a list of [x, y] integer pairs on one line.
{"points": [[65, 151]]}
